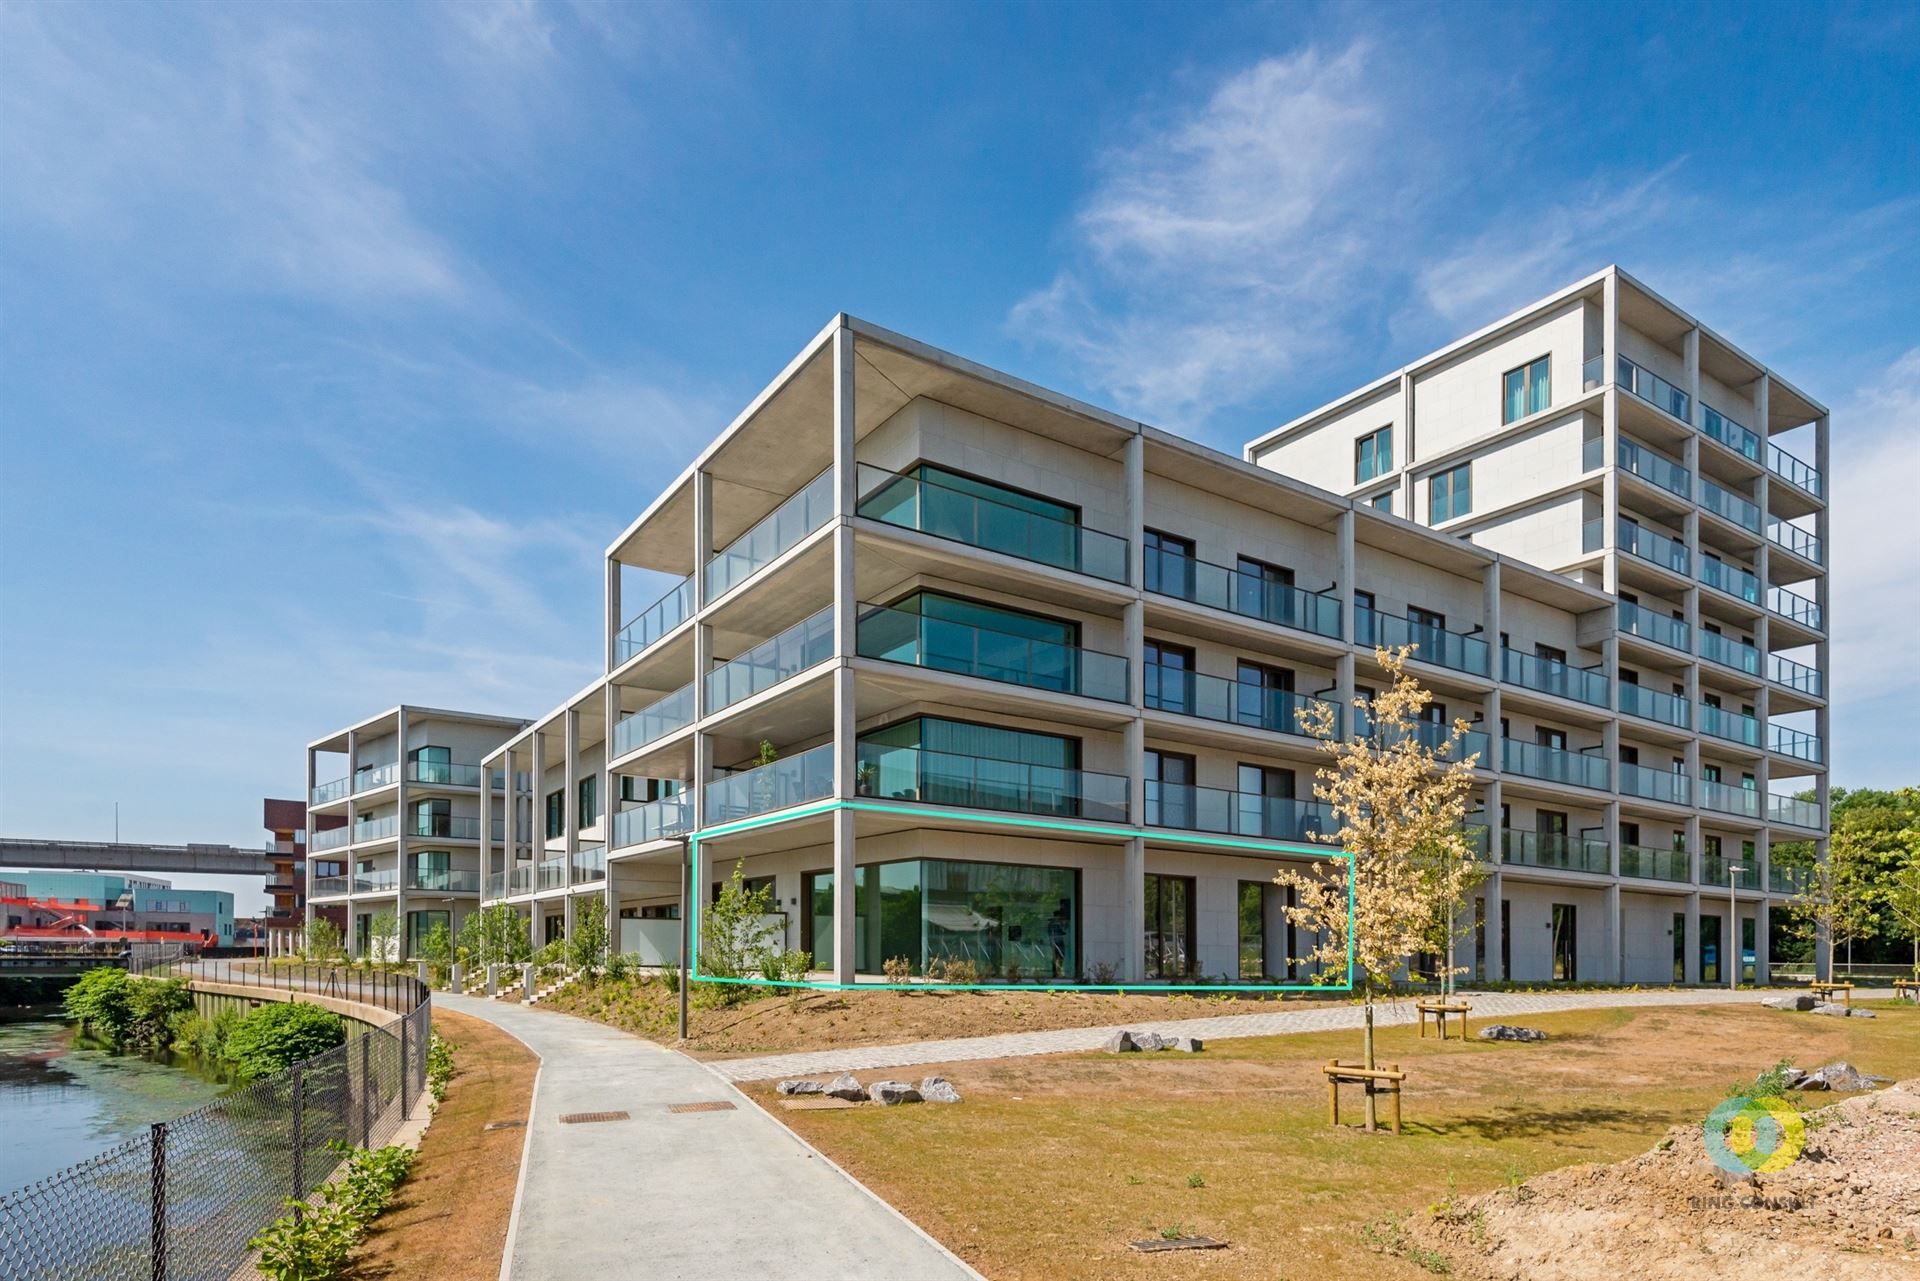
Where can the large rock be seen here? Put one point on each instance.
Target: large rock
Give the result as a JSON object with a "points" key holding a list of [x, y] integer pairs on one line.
{"points": [[1507, 1032], [1120, 1042], [799, 1087], [1832, 1010], [1841, 1077], [892, 1092], [937, 1089], [1798, 1001], [1151, 1041], [1189, 1045], [846, 1086]]}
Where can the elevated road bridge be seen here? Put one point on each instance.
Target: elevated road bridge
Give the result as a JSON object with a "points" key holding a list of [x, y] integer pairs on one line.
{"points": [[128, 856]]}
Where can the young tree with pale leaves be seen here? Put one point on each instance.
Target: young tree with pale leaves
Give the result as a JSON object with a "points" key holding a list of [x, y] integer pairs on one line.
{"points": [[1401, 807]]}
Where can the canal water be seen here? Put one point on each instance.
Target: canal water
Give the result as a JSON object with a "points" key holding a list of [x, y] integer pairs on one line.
{"points": [[62, 1100]]}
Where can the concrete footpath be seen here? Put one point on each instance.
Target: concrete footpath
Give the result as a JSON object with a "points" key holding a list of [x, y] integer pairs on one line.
{"points": [[703, 1194]]}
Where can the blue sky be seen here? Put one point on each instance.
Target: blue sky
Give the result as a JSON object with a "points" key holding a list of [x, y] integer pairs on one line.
{"points": [[338, 341]]}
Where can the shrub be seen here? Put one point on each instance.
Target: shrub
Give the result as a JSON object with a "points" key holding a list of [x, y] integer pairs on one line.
{"points": [[273, 1038], [587, 949], [367, 1186], [786, 967], [323, 940], [737, 937], [310, 1243], [204, 1038], [619, 967], [439, 1064], [898, 969], [437, 951], [152, 1006], [98, 1003]]}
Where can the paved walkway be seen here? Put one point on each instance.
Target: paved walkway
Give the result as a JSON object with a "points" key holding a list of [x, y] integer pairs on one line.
{"points": [[705, 1195], [1317, 1017]]}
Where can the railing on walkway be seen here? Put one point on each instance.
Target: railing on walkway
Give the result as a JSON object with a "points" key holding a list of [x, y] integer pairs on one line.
{"points": [[184, 1199]]}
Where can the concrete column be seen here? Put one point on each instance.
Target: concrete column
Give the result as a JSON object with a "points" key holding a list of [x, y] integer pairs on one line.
{"points": [[312, 782], [1691, 354], [845, 630], [1762, 943], [1406, 446], [1348, 572], [570, 798], [402, 803], [1133, 911], [613, 612], [1615, 963], [1273, 928], [609, 792], [1690, 965], [1492, 890], [537, 806], [486, 822]]}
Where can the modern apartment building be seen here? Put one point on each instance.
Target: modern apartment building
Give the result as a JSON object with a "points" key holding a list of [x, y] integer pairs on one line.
{"points": [[399, 821], [286, 846], [70, 906], [964, 670]]}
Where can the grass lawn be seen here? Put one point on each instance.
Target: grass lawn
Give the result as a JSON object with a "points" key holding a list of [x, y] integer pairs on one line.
{"points": [[1051, 1165]]}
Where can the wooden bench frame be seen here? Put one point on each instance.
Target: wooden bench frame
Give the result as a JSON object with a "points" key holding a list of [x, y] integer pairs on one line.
{"points": [[1825, 991], [1381, 1080], [1440, 1009], [1906, 989]]}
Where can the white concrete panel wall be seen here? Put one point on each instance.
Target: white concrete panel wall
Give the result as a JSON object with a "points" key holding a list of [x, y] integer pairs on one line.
{"points": [[1460, 401], [1654, 356], [1531, 927], [1646, 932], [1548, 534], [1323, 453], [1397, 583], [1530, 622]]}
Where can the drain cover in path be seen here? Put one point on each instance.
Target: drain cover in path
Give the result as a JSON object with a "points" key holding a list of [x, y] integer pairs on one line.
{"points": [[717, 1105], [582, 1118]]}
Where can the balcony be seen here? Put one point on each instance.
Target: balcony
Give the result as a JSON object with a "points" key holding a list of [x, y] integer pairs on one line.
{"points": [[805, 644], [1215, 698], [1655, 784], [1555, 850], [520, 879], [1733, 727], [496, 885], [444, 774], [1796, 473], [655, 721], [668, 817], [1728, 505], [376, 776], [1654, 389], [1788, 880], [1656, 549], [1795, 676], [1794, 812], [790, 522], [446, 827], [1546, 676], [928, 777], [976, 519], [377, 829], [1652, 705], [1728, 652], [1436, 645], [655, 621], [333, 838], [1729, 433], [327, 886], [553, 872], [1653, 468], [1795, 608], [1554, 764], [327, 793], [1731, 579], [1651, 863], [1792, 742], [589, 863], [1214, 809], [766, 788], [1249, 595], [1713, 871], [899, 636], [1724, 798], [1434, 737], [444, 880], [1638, 620], [380, 880], [1796, 540]]}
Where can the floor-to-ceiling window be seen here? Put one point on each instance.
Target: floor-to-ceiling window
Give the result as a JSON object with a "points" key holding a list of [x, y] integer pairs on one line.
{"points": [[952, 633], [431, 764], [1253, 930], [431, 869], [1262, 797], [1170, 792], [420, 926], [1565, 935], [1679, 947], [950, 504], [1710, 949], [1008, 921], [948, 762], [1170, 927]]}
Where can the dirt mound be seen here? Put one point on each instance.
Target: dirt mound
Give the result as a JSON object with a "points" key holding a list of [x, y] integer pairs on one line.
{"points": [[1848, 1208]]}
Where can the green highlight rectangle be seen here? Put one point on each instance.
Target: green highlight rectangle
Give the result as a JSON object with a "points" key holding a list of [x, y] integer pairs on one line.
{"points": [[1200, 839]]}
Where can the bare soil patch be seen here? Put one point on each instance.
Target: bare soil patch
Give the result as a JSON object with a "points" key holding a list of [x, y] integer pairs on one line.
{"points": [[449, 1221]]}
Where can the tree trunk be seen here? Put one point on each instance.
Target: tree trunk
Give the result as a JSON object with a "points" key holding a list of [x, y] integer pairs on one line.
{"points": [[1373, 1116]]}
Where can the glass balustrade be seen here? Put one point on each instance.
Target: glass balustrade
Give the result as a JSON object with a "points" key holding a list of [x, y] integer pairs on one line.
{"points": [[1654, 468], [1719, 427], [1547, 676], [655, 621], [1214, 698], [655, 721], [929, 777], [1734, 727], [790, 522], [948, 645], [1554, 764], [496, 885], [444, 773], [520, 880], [379, 776], [446, 826], [553, 872], [1652, 705], [1654, 548], [1654, 389], [1434, 737], [1795, 676], [1731, 579], [1213, 809], [1725, 798], [785, 783], [659, 820], [333, 838], [1593, 372], [1728, 505], [1651, 863], [1796, 473], [1000, 524], [377, 829], [1554, 849], [806, 644], [1249, 594], [1638, 620], [1795, 607], [1714, 868], [1799, 541], [589, 863], [1436, 645], [327, 793], [327, 886], [1794, 811], [1788, 880], [444, 880], [1728, 652], [379, 880], [1656, 785], [1792, 742]]}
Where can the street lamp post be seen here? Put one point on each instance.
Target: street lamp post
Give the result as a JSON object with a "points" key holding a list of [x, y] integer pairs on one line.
{"points": [[1733, 926]]}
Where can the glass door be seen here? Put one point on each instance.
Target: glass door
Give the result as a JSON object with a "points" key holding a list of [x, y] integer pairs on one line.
{"points": [[1564, 970], [1169, 925]]}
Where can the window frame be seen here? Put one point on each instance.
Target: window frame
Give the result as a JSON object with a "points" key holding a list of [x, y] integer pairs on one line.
{"points": [[1528, 396], [1368, 461], [1458, 499]]}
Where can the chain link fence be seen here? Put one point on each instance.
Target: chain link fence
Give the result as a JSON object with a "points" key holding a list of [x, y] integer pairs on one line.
{"points": [[388, 990], [181, 1202]]}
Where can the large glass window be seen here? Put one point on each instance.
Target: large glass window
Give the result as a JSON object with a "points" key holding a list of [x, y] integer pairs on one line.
{"points": [[1526, 390], [1170, 795], [1009, 921], [589, 800], [953, 505], [984, 640], [947, 762], [432, 764], [1564, 936], [1373, 455], [1169, 925], [1169, 676], [1450, 494], [1253, 930], [1169, 564], [433, 818], [556, 814], [431, 869], [420, 925], [1262, 590]]}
